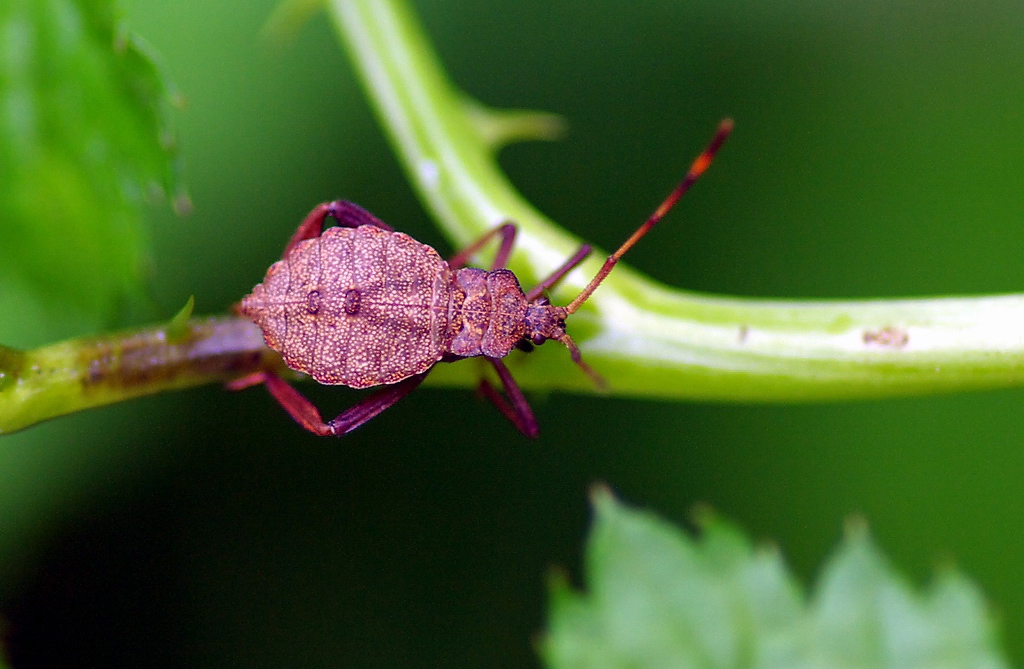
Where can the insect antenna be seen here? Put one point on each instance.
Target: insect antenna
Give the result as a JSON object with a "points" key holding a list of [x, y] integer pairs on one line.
{"points": [[696, 169]]}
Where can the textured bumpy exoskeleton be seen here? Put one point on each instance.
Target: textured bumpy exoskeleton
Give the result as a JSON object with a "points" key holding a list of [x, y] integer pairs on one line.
{"points": [[361, 305]]}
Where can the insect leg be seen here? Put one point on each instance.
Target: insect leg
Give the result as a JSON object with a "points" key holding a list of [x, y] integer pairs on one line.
{"points": [[247, 381], [516, 408], [372, 406], [297, 406], [350, 215], [508, 237], [347, 215], [559, 274], [307, 415]]}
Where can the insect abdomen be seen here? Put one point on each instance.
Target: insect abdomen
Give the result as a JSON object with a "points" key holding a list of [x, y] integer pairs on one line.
{"points": [[356, 306]]}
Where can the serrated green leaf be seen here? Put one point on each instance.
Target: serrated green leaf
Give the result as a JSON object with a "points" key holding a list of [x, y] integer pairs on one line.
{"points": [[84, 138], [658, 598]]}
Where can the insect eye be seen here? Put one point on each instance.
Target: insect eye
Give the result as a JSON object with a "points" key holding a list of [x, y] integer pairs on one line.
{"points": [[539, 339]]}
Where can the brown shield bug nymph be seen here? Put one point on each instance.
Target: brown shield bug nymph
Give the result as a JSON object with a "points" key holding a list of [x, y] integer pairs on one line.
{"points": [[361, 305]]}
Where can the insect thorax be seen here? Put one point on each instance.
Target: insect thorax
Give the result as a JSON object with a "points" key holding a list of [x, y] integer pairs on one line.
{"points": [[487, 311]]}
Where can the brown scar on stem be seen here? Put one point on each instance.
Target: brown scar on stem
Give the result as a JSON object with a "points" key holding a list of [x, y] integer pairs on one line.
{"points": [[12, 362], [889, 336], [215, 348]]}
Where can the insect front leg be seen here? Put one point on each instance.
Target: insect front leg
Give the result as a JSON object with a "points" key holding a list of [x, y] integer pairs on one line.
{"points": [[308, 416], [347, 215], [559, 274]]}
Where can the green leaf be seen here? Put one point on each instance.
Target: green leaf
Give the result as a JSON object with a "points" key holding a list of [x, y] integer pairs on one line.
{"points": [[84, 139], [659, 598]]}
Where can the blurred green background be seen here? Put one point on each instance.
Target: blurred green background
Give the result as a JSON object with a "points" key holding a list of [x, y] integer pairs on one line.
{"points": [[879, 151]]}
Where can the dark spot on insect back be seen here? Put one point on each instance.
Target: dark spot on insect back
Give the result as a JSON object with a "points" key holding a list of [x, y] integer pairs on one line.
{"points": [[313, 301], [352, 301]]}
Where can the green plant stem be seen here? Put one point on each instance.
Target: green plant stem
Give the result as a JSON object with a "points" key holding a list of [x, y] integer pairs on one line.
{"points": [[83, 373], [646, 339]]}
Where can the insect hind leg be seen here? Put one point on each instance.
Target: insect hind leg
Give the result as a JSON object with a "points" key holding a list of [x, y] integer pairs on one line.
{"points": [[308, 416]]}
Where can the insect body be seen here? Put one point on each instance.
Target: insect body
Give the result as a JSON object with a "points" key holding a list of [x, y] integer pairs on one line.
{"points": [[362, 305], [358, 306]]}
